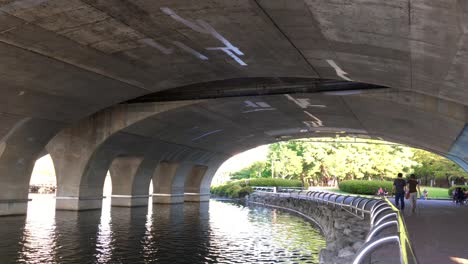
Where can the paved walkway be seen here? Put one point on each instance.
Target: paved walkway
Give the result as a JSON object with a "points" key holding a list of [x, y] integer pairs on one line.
{"points": [[438, 231]]}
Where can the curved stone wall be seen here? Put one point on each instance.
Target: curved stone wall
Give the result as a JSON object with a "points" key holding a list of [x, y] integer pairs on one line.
{"points": [[344, 232]]}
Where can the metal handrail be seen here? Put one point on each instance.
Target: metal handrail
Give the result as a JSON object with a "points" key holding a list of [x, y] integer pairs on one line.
{"points": [[383, 215], [390, 216]]}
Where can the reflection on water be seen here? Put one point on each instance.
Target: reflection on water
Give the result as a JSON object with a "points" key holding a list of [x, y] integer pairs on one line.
{"points": [[215, 232]]}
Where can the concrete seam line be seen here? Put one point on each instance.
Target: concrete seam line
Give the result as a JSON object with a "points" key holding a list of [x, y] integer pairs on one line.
{"points": [[129, 196], [167, 194], [78, 198]]}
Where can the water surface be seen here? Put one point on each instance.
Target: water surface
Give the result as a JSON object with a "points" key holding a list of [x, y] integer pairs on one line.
{"points": [[214, 232]]}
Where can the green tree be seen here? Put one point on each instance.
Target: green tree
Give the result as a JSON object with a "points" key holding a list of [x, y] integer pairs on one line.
{"points": [[339, 158], [434, 167], [285, 160], [317, 162], [258, 169]]}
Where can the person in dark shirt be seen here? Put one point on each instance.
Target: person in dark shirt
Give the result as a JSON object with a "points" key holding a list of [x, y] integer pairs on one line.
{"points": [[413, 186], [399, 191]]}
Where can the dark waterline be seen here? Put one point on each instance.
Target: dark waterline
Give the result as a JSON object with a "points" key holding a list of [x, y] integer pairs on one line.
{"points": [[214, 232]]}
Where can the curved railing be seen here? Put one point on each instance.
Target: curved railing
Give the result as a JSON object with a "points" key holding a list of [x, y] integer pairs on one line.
{"points": [[383, 215]]}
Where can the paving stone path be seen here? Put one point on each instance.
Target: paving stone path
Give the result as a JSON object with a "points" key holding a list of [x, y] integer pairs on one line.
{"points": [[438, 231]]}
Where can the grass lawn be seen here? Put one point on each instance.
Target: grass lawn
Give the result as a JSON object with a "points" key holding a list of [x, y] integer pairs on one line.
{"points": [[433, 192]]}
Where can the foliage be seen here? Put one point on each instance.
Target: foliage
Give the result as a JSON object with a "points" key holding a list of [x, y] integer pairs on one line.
{"points": [[256, 170], [340, 158], [450, 190], [434, 167], [364, 187], [285, 159], [241, 188], [335, 159], [270, 182], [433, 192]]}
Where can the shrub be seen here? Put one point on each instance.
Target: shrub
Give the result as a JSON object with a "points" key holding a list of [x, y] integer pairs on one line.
{"points": [[233, 191], [241, 188], [365, 187], [450, 190], [245, 191], [271, 182]]}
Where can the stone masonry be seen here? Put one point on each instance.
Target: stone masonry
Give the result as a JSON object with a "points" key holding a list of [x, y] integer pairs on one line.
{"points": [[344, 232]]}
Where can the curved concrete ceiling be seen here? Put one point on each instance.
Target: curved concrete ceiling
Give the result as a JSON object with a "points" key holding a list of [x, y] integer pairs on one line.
{"points": [[65, 60]]}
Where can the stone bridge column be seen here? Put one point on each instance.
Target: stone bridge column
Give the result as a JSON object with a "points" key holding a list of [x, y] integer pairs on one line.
{"points": [[168, 181], [197, 186], [19, 149], [123, 172], [82, 157], [192, 185], [71, 152]]}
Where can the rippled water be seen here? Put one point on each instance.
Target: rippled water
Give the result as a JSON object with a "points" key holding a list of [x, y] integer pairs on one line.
{"points": [[214, 232]]}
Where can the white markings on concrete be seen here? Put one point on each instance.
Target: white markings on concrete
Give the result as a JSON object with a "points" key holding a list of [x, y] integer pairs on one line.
{"points": [[228, 51], [257, 106], [207, 134], [21, 93], [315, 123], [203, 27], [263, 104], [188, 23], [190, 50], [250, 104], [19, 5], [154, 44], [303, 102], [339, 71], [231, 50]]}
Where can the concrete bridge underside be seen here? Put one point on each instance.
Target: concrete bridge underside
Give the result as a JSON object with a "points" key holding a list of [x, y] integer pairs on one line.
{"points": [[169, 90]]}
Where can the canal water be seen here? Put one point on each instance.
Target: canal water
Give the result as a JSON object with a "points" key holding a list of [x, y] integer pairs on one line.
{"points": [[214, 232]]}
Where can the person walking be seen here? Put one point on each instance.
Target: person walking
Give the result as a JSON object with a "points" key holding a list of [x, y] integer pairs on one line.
{"points": [[413, 187], [399, 191]]}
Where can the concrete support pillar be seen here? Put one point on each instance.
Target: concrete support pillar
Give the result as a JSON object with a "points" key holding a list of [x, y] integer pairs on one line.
{"points": [[123, 172], [19, 149], [71, 151], [192, 185], [168, 182], [73, 203], [197, 185], [13, 206]]}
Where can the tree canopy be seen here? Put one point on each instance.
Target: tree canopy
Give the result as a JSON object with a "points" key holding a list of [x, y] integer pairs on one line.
{"points": [[321, 160]]}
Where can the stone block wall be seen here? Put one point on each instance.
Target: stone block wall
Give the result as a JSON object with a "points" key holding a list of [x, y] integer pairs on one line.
{"points": [[344, 232]]}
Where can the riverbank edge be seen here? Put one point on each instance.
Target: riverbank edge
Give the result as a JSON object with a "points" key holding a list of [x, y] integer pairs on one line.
{"points": [[343, 232]]}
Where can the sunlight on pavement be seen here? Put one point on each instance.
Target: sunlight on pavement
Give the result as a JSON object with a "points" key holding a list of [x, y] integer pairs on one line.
{"points": [[459, 260]]}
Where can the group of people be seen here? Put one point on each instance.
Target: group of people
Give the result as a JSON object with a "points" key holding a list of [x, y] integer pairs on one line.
{"points": [[410, 189], [459, 195]]}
